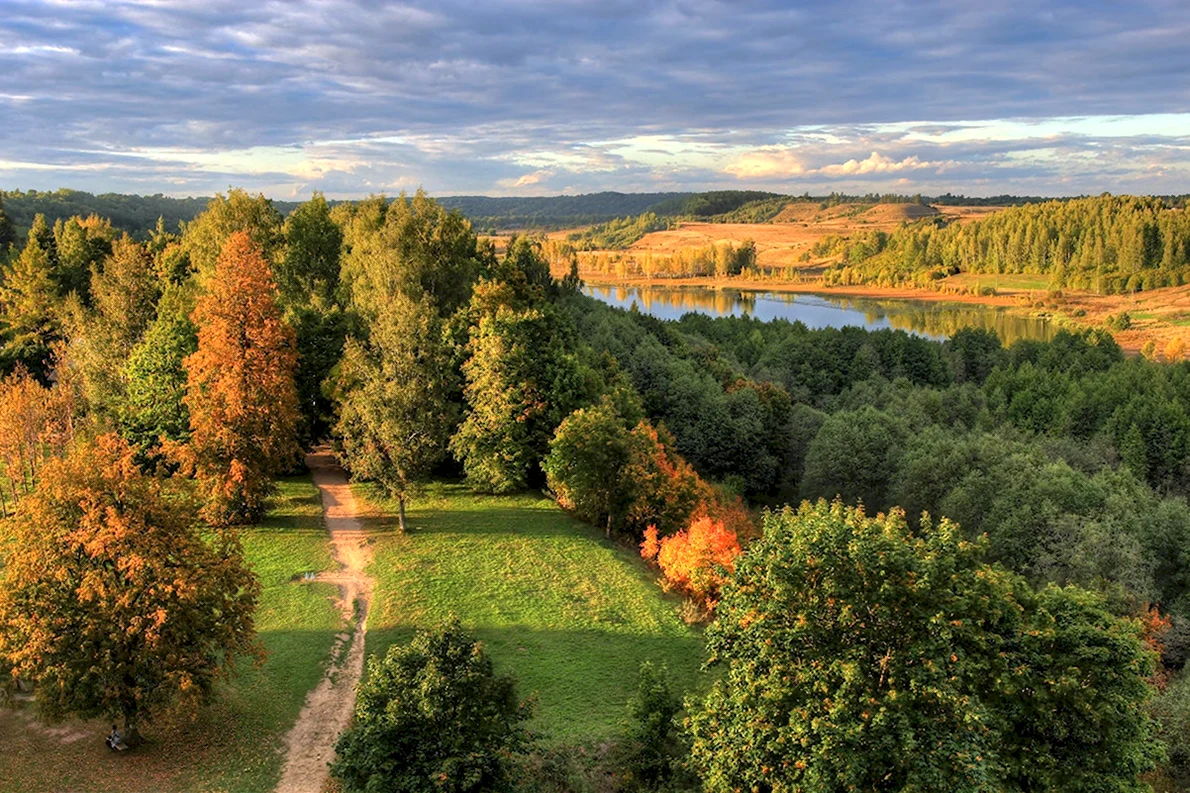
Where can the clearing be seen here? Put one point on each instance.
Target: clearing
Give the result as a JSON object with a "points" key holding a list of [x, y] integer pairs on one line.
{"points": [[570, 614]]}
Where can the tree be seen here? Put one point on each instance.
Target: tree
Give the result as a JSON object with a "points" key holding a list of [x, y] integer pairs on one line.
{"points": [[854, 455], [36, 424], [111, 602], [124, 297], [204, 238], [432, 716], [861, 656], [396, 413], [154, 405], [696, 560], [308, 279], [240, 389], [28, 318], [82, 245], [521, 380], [583, 469], [8, 234], [310, 262], [651, 749]]}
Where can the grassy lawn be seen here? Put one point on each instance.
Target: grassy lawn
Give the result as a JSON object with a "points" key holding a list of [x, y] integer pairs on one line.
{"points": [[235, 744], [571, 615]]}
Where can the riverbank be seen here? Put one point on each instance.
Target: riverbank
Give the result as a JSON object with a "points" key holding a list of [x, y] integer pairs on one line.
{"points": [[1161, 315]]}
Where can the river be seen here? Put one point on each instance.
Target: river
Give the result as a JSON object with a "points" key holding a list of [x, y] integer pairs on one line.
{"points": [[936, 320]]}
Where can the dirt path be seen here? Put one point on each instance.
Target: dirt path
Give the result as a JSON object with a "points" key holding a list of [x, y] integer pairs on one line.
{"points": [[310, 744]]}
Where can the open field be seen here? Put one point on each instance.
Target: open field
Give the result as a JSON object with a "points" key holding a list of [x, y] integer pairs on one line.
{"points": [[571, 615], [235, 745], [782, 242]]}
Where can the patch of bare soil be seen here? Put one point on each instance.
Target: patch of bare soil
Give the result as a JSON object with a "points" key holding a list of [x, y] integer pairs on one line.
{"points": [[310, 744]]}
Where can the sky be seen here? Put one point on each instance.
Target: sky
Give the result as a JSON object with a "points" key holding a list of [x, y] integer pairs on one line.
{"points": [[355, 97]]}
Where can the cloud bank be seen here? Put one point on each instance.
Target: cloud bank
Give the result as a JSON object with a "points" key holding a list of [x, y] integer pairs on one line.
{"points": [[354, 96]]}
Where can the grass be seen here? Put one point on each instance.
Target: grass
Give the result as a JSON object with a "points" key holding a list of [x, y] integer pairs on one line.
{"points": [[235, 744], [569, 614]]}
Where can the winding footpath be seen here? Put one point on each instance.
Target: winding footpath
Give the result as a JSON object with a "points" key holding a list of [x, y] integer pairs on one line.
{"points": [[310, 744]]}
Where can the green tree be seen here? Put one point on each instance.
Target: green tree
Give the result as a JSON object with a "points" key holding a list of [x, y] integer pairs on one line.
{"points": [[28, 318], [204, 237], [652, 749], [521, 380], [432, 716], [124, 296], [584, 467], [310, 262], [861, 656], [395, 409], [154, 404], [111, 601], [82, 245], [8, 233], [854, 455]]}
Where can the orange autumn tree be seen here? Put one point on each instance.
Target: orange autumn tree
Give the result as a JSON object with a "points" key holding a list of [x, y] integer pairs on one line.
{"points": [[698, 559], [111, 601], [36, 423], [240, 386]]}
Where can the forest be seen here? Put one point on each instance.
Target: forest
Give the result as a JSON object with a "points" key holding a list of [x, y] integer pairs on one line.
{"points": [[1107, 244], [920, 565]]}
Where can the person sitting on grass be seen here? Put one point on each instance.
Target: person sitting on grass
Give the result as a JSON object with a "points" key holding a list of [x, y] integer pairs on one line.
{"points": [[115, 741]]}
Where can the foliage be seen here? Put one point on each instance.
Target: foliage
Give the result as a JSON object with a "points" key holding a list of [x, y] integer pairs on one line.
{"points": [[29, 322], [124, 296], [1172, 711], [696, 560], [847, 639], [619, 233], [36, 425], [154, 404], [521, 380], [432, 716], [395, 408], [1107, 244], [652, 749], [240, 389], [206, 236], [412, 246], [111, 602]]}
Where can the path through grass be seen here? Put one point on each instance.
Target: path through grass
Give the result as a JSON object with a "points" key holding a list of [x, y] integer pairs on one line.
{"points": [[571, 615]]}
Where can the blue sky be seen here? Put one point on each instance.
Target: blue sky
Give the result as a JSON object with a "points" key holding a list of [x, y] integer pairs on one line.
{"points": [[505, 98]]}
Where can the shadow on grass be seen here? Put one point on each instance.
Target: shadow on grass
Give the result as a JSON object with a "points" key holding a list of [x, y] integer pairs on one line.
{"points": [[581, 680]]}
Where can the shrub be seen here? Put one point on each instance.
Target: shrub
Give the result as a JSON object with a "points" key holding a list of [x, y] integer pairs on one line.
{"points": [[432, 716]]}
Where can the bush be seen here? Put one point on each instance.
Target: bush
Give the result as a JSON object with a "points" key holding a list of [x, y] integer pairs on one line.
{"points": [[651, 752], [432, 716]]}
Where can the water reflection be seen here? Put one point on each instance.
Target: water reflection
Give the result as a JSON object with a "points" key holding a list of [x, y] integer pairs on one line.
{"points": [[934, 320]]}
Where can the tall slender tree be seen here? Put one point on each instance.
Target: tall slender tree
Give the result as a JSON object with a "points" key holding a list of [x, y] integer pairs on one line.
{"points": [[240, 389]]}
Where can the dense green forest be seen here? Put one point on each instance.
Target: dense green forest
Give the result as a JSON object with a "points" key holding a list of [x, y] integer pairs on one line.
{"points": [[991, 563], [1109, 245]]}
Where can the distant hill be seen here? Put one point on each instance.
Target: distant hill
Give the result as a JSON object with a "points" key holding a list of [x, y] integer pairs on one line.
{"points": [[554, 212], [137, 214]]}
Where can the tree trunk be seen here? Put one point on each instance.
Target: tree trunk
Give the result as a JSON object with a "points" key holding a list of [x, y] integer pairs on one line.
{"points": [[401, 514], [132, 735]]}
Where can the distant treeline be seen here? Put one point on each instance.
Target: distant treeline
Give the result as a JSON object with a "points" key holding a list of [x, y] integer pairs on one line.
{"points": [[553, 212], [1108, 244], [135, 214]]}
